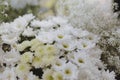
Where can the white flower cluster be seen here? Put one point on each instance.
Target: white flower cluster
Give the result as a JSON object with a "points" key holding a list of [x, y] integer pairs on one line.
{"points": [[60, 50], [93, 15], [10, 31]]}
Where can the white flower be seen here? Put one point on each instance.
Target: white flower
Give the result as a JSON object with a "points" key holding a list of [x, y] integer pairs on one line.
{"points": [[86, 74], [58, 76], [48, 75], [106, 75], [59, 63], [67, 45], [45, 37], [92, 37], [11, 57], [28, 32], [61, 35], [28, 17], [26, 57], [59, 20], [10, 38], [44, 24], [37, 62], [80, 58], [20, 23], [8, 74], [5, 28], [22, 69], [23, 45], [69, 71], [85, 44], [31, 76], [79, 32]]}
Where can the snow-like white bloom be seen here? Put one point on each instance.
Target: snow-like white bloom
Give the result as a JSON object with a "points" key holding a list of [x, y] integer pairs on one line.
{"points": [[45, 25], [86, 74], [69, 71], [79, 32], [10, 38], [59, 20], [107, 75], [28, 32], [45, 37], [8, 74], [37, 61], [23, 45], [80, 58], [58, 76], [48, 75], [96, 16], [26, 57], [31, 76], [20, 23], [11, 58], [92, 37], [28, 17], [22, 69], [67, 45], [4, 28], [61, 35], [85, 44], [59, 63]]}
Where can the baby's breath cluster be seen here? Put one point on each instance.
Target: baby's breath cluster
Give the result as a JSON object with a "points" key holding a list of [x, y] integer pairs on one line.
{"points": [[94, 15]]}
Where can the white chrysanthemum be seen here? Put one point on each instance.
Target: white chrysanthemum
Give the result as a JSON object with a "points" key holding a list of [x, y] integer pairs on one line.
{"points": [[26, 57], [44, 25], [80, 58], [20, 23], [4, 28], [59, 20], [58, 76], [8, 74], [61, 35], [23, 45], [45, 37], [28, 17], [28, 32], [106, 75], [22, 69], [86, 74], [59, 63], [92, 37], [79, 32], [11, 57], [30, 76], [69, 71], [67, 45], [37, 62], [10, 38], [48, 75], [85, 44]]}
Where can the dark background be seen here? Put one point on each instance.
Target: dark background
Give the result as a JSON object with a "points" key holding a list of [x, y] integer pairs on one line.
{"points": [[117, 1], [117, 10]]}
